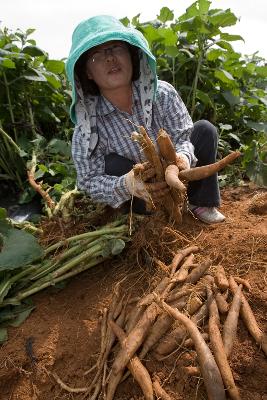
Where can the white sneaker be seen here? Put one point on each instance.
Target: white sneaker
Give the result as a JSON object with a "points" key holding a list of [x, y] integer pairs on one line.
{"points": [[209, 215]]}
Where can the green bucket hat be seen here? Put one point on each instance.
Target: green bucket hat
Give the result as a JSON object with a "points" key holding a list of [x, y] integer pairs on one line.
{"points": [[98, 30]]}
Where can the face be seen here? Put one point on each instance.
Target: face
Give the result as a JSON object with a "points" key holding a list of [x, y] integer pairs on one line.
{"points": [[110, 65]]}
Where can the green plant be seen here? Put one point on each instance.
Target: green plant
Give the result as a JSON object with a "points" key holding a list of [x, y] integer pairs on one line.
{"points": [[196, 55], [34, 99]]}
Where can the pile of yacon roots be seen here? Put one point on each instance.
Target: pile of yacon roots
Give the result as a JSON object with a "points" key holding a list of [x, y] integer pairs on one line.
{"points": [[194, 307]]}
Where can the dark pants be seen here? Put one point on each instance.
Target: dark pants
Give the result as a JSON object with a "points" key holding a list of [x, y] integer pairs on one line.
{"points": [[201, 193]]}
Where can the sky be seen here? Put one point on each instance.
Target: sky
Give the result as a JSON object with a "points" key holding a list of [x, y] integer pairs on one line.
{"points": [[55, 20]]}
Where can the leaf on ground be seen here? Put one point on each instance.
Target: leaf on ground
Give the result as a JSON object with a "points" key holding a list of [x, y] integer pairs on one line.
{"points": [[19, 248], [21, 317]]}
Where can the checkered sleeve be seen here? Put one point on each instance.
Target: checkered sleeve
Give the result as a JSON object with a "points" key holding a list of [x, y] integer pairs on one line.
{"points": [[91, 176], [178, 123]]}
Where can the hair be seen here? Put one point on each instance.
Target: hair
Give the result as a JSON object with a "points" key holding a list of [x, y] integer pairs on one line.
{"points": [[88, 85]]}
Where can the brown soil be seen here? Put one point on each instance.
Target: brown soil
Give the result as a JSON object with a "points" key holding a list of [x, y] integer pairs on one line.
{"points": [[65, 331]]}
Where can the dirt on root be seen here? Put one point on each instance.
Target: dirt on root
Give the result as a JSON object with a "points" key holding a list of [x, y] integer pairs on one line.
{"points": [[62, 335]]}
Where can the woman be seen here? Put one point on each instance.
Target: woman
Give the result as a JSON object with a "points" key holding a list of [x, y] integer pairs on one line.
{"points": [[115, 89]]}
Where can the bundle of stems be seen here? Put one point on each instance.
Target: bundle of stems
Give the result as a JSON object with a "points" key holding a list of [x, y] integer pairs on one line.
{"points": [[63, 260]]}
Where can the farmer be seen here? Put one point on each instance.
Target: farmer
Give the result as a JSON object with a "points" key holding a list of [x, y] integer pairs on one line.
{"points": [[115, 90]]}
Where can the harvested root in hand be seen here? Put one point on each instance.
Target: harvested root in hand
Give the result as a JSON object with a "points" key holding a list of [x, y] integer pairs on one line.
{"points": [[197, 173], [172, 179]]}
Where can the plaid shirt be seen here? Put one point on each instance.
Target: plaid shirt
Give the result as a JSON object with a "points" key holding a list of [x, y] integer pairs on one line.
{"points": [[114, 129]]}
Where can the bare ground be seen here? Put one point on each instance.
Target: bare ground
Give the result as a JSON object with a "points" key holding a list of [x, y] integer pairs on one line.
{"points": [[64, 328]]}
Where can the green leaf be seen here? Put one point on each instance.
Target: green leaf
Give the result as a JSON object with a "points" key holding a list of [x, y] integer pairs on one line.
{"points": [[203, 97], [135, 20], [214, 54], [223, 18], [191, 24], [263, 100], [204, 6], [29, 31], [117, 245], [165, 15], [235, 137], [32, 42], [3, 335], [112, 247], [171, 51], [125, 21], [7, 63], [191, 11], [5, 285], [55, 66], [59, 146], [53, 80], [262, 71], [33, 51], [35, 76], [21, 317], [230, 38], [3, 213], [225, 127], [224, 76], [230, 98], [9, 313], [170, 38], [257, 126], [225, 45], [152, 34], [19, 249]]}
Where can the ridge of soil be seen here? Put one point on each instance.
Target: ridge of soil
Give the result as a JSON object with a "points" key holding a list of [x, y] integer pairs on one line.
{"points": [[62, 334]]}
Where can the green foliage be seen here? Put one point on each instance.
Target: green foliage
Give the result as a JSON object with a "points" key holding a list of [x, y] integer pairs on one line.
{"points": [[19, 249], [196, 55], [34, 101]]}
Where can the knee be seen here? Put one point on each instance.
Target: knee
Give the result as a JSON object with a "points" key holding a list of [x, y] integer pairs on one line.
{"points": [[206, 128]]}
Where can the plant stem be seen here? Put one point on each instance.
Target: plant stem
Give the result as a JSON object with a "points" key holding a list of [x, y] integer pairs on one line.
{"points": [[195, 85], [199, 62], [87, 235], [31, 118], [173, 72], [10, 140], [66, 267], [10, 105], [31, 291], [63, 256]]}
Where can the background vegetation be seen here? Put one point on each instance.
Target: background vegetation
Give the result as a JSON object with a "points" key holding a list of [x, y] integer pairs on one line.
{"points": [[194, 53]]}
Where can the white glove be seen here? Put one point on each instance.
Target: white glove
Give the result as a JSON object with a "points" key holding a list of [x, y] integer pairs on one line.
{"points": [[136, 186], [182, 161], [147, 191]]}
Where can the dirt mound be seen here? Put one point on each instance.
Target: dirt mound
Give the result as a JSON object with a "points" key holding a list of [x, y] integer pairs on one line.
{"points": [[62, 334]]}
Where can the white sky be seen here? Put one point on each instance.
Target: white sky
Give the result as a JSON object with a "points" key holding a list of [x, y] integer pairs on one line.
{"points": [[55, 20]]}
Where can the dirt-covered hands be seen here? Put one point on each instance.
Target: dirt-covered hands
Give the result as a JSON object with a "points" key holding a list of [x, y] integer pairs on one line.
{"points": [[137, 183]]}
